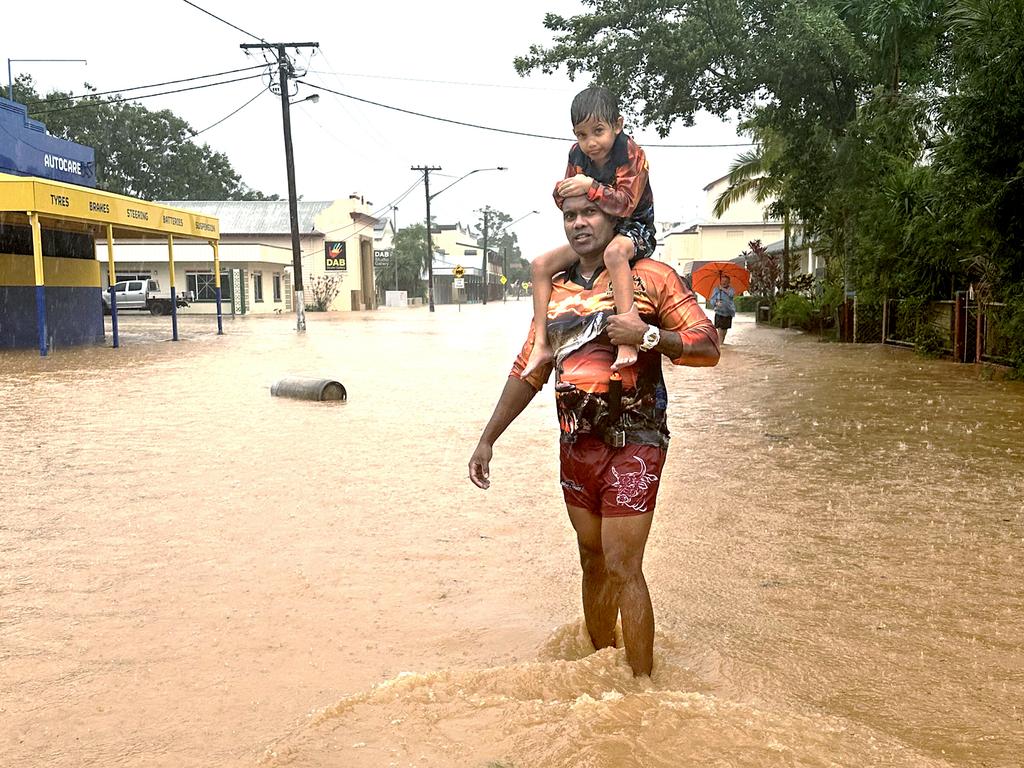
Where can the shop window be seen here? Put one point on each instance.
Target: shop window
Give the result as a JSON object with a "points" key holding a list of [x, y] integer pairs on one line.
{"points": [[200, 285]]}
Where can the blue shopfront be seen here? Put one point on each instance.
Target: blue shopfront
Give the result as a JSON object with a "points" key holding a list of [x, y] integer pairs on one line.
{"points": [[50, 218]]}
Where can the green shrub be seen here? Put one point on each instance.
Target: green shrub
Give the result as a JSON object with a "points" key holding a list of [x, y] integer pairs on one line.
{"points": [[1015, 337], [793, 310], [747, 303], [929, 340]]}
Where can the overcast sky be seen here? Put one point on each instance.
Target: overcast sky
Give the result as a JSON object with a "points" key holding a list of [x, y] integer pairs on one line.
{"points": [[388, 51]]}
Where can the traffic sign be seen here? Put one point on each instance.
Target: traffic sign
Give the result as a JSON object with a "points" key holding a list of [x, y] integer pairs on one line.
{"points": [[503, 279], [459, 282], [526, 286], [458, 271]]}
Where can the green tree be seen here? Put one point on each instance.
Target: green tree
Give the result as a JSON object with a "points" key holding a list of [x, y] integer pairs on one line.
{"points": [[409, 250], [500, 239], [139, 152]]}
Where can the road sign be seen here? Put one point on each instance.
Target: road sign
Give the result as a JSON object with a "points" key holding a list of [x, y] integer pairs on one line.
{"points": [[526, 286], [458, 271], [459, 282], [503, 279]]}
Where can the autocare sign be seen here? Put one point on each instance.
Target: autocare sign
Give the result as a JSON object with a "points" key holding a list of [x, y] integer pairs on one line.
{"points": [[26, 149], [334, 255]]}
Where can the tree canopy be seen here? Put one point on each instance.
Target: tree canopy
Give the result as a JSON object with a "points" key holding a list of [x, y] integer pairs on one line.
{"points": [[890, 129], [892, 126], [409, 249], [139, 152]]}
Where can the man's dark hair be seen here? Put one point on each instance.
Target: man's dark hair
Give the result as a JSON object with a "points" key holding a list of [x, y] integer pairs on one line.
{"points": [[595, 102]]}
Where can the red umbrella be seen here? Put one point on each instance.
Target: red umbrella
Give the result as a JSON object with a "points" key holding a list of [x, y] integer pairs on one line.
{"points": [[708, 276]]}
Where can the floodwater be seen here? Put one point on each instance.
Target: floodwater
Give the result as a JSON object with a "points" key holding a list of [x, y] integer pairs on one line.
{"points": [[194, 573]]}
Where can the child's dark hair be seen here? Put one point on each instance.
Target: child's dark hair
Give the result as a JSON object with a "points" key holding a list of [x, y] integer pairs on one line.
{"points": [[595, 102]]}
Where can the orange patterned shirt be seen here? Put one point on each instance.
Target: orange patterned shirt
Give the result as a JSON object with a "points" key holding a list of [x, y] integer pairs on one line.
{"points": [[577, 320]]}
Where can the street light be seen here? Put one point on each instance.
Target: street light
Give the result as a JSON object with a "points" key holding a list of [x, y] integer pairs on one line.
{"points": [[10, 78], [426, 186], [313, 98]]}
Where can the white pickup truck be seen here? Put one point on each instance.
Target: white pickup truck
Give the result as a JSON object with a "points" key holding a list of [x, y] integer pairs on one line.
{"points": [[142, 294]]}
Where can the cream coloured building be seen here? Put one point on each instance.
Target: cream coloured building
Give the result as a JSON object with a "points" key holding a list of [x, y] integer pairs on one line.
{"points": [[255, 278], [718, 239], [336, 238]]}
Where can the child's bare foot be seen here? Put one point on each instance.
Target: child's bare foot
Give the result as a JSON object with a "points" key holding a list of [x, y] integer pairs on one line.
{"points": [[540, 356], [624, 357]]}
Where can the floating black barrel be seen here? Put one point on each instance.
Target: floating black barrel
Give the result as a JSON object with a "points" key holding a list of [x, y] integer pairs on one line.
{"points": [[309, 389]]}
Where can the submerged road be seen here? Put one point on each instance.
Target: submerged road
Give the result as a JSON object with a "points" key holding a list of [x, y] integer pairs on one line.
{"points": [[195, 573]]}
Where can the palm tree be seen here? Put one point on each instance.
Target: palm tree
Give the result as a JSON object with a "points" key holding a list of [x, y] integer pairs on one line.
{"points": [[751, 175]]}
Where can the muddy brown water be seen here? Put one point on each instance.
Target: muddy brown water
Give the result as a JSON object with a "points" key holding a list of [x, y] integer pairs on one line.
{"points": [[194, 573]]}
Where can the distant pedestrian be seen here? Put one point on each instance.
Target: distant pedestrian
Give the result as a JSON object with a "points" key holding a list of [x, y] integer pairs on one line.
{"points": [[723, 301]]}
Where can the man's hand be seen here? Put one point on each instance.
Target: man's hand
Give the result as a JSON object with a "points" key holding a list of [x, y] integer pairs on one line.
{"points": [[480, 466], [627, 328], [577, 185]]}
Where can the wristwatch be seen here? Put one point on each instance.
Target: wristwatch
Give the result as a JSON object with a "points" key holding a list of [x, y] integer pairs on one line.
{"points": [[651, 338]]}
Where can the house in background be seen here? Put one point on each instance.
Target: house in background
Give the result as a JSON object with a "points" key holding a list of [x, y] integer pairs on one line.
{"points": [[455, 245], [718, 239], [336, 238], [801, 254]]}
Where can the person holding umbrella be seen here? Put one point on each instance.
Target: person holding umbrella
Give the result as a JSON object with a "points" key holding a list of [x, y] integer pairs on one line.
{"points": [[723, 301], [720, 281]]}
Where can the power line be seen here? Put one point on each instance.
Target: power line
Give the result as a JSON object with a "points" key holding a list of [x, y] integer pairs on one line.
{"points": [[440, 82], [151, 85], [231, 114], [224, 21], [501, 130], [386, 208], [145, 95]]}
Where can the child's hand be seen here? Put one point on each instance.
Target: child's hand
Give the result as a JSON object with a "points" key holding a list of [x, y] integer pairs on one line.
{"points": [[577, 185]]}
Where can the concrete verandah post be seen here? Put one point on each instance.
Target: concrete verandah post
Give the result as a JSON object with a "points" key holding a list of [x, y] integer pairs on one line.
{"points": [[37, 264]]}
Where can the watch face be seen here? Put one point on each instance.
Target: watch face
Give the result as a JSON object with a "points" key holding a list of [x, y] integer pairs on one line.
{"points": [[651, 337]]}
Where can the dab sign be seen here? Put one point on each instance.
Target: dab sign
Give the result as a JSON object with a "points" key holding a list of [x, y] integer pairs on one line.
{"points": [[334, 256], [458, 271]]}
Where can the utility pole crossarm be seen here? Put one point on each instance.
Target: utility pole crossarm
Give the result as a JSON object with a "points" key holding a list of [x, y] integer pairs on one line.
{"points": [[278, 45]]}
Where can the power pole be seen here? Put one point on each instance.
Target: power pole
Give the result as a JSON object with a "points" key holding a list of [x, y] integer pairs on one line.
{"points": [[487, 212], [430, 251], [286, 70]]}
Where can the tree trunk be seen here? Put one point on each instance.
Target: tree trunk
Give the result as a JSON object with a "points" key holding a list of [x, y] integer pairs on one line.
{"points": [[785, 251]]}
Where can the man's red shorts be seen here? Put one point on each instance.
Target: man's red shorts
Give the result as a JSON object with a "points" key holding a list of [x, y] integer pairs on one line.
{"points": [[611, 482]]}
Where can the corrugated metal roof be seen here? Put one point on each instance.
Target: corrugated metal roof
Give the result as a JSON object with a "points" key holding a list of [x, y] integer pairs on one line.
{"points": [[254, 217]]}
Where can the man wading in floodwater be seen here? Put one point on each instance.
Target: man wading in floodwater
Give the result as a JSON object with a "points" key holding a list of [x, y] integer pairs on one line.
{"points": [[613, 430]]}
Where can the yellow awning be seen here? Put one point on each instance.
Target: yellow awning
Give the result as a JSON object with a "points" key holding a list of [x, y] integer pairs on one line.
{"points": [[54, 199]]}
